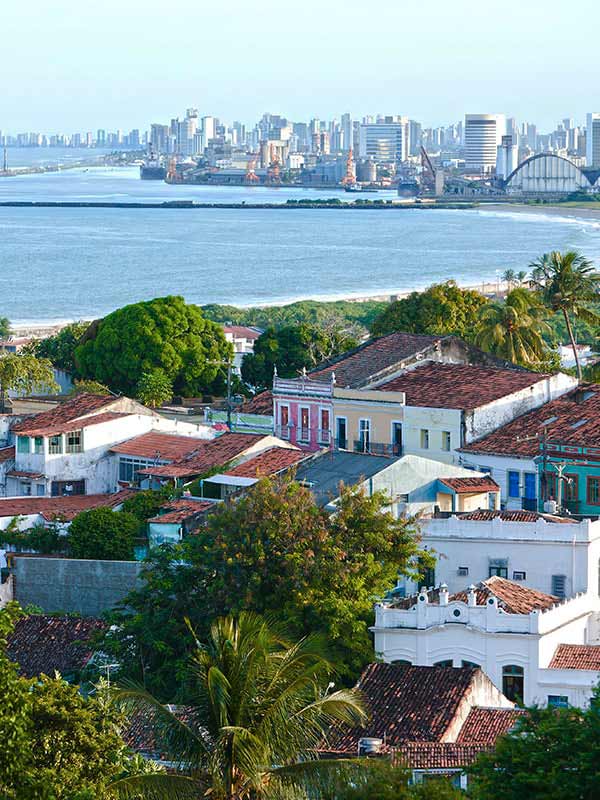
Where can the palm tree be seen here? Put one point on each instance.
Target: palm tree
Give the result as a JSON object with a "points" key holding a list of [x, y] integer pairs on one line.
{"points": [[568, 283], [521, 277], [513, 329], [509, 277], [257, 714]]}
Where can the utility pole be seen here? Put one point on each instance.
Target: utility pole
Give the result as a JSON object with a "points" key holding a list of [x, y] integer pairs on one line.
{"points": [[229, 365]]}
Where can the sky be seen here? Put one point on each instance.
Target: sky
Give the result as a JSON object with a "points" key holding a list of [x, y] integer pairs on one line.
{"points": [[70, 66]]}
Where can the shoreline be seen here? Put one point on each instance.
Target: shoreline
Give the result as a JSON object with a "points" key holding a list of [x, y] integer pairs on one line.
{"points": [[43, 329], [591, 214]]}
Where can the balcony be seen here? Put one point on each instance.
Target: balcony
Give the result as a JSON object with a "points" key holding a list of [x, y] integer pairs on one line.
{"points": [[377, 448], [283, 431]]}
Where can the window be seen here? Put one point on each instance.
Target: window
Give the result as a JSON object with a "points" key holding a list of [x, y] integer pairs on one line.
{"points": [[129, 468], [40, 489], [303, 424], [284, 421], [530, 493], [364, 435], [26, 488], [55, 445], [340, 433], [446, 663], [570, 488], [558, 701], [67, 488], [428, 578], [324, 426], [397, 438], [472, 664], [402, 662], [518, 575], [513, 682], [424, 439], [38, 445], [446, 441], [23, 444], [514, 480], [593, 491], [463, 571], [499, 567], [74, 442], [559, 585]]}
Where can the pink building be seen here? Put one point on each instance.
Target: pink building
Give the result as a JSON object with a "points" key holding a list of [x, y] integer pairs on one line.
{"points": [[303, 411]]}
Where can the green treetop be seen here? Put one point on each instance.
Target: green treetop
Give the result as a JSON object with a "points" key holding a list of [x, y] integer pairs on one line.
{"points": [[24, 374]]}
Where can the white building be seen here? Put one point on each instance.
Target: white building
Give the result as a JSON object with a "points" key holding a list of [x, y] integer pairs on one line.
{"points": [[592, 141], [483, 133], [534, 648], [384, 142], [68, 450], [242, 338], [560, 556]]}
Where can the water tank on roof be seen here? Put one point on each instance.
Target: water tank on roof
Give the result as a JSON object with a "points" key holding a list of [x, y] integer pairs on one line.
{"points": [[369, 746]]}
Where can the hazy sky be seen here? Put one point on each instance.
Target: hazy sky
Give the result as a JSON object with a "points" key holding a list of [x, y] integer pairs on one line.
{"points": [[67, 65]]}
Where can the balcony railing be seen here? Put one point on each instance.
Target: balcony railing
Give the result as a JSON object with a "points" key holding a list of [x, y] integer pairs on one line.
{"points": [[324, 437], [303, 435], [377, 448], [283, 431], [303, 386]]}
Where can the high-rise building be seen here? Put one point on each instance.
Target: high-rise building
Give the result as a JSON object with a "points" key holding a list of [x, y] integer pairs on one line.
{"points": [[483, 134], [415, 137], [385, 142], [507, 157], [346, 133], [592, 155]]}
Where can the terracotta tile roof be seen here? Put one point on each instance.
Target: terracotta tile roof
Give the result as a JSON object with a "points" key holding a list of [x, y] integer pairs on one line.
{"points": [[406, 704], [7, 454], [486, 515], [460, 386], [242, 332], [140, 731], [181, 510], [213, 453], [58, 418], [65, 427], [356, 367], [513, 597], [164, 446], [470, 485], [521, 437], [23, 473], [261, 404], [485, 725], [439, 755], [269, 462], [60, 507], [576, 656], [45, 644]]}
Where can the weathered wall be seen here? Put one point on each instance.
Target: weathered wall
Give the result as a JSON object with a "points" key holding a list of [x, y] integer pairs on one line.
{"points": [[73, 585]]}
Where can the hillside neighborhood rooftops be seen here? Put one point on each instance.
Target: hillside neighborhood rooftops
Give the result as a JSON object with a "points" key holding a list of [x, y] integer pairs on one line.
{"points": [[269, 462], [573, 419], [163, 446], [439, 755], [458, 386], [354, 368], [181, 510], [61, 418], [513, 598], [65, 508], [49, 644], [576, 656], [408, 704], [261, 404], [210, 454], [485, 725]]}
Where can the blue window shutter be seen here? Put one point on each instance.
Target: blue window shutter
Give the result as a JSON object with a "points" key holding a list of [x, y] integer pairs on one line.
{"points": [[513, 484]]}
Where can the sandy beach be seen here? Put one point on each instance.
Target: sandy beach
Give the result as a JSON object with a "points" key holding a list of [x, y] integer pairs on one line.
{"points": [[575, 212]]}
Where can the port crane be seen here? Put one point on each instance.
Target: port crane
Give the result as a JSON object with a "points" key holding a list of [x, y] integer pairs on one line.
{"points": [[274, 172], [251, 176], [427, 172], [349, 178]]}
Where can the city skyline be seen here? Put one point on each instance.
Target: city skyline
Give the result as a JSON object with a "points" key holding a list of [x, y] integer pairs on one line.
{"points": [[129, 64]]}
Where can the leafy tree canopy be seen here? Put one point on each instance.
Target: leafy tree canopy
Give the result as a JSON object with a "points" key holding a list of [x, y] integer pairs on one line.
{"points": [[444, 308], [382, 780], [104, 534], [146, 504], [553, 754], [273, 552], [24, 373], [308, 312], [162, 334], [154, 388], [4, 328], [295, 347], [89, 387], [60, 348]]}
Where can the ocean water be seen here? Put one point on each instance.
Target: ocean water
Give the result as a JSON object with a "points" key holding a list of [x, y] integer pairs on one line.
{"points": [[70, 263]]}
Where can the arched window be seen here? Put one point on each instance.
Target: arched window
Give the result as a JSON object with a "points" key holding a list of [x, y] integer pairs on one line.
{"points": [[446, 663], [513, 683], [470, 664], [402, 663]]}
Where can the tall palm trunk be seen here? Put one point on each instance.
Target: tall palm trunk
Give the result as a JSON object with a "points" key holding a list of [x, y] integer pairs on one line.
{"points": [[573, 345]]}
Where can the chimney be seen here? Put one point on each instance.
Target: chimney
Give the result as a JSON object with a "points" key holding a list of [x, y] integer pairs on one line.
{"points": [[444, 594]]}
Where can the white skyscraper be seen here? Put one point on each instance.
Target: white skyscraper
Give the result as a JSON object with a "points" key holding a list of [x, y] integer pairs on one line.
{"points": [[483, 133], [592, 155], [385, 142]]}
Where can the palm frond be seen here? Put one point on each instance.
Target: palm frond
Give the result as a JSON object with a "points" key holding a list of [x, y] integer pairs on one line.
{"points": [[159, 786]]}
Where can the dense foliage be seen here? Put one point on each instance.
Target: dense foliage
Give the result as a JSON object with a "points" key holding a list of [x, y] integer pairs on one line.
{"points": [[60, 348], [163, 334], [154, 388], [56, 744], [444, 308], [4, 328], [24, 374], [147, 503], [382, 780], [308, 312], [273, 552], [553, 754], [258, 707], [39, 538], [89, 387], [296, 347], [104, 534]]}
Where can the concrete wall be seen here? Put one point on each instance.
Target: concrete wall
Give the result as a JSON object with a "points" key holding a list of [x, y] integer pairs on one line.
{"points": [[499, 467], [73, 585]]}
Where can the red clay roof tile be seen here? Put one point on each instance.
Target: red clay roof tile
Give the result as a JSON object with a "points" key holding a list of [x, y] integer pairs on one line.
{"points": [[261, 404], [470, 485], [459, 386], [65, 508], [269, 462], [162, 446], [439, 755], [485, 725], [576, 656], [7, 454], [182, 510], [78, 406], [517, 515], [214, 453]]}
